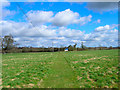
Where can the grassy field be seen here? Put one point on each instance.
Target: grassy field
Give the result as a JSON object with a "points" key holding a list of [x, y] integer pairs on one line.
{"points": [[77, 69]]}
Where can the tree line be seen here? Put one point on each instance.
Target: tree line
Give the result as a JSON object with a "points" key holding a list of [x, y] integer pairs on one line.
{"points": [[9, 45]]}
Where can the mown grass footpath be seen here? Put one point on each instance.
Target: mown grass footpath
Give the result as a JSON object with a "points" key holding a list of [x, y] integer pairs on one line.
{"points": [[83, 69], [61, 76]]}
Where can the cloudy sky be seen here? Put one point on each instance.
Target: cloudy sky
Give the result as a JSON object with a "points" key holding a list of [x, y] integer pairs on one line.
{"points": [[61, 23]]}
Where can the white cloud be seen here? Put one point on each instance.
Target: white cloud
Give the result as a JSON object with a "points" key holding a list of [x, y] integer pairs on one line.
{"points": [[27, 35], [5, 12], [24, 29], [104, 35], [64, 18], [4, 3], [103, 28], [76, 41], [67, 17], [40, 17], [84, 20], [115, 30], [70, 33], [60, 19]]}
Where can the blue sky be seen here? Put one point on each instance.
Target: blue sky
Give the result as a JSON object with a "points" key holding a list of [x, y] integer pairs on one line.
{"points": [[63, 23], [106, 17]]}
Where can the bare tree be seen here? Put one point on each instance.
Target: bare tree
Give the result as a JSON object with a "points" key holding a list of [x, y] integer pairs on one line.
{"points": [[8, 42], [75, 46], [83, 46]]}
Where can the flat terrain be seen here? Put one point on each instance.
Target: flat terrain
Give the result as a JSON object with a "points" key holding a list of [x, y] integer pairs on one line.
{"points": [[77, 69]]}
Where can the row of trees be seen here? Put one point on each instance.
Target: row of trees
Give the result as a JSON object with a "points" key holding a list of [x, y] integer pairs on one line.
{"points": [[72, 48]]}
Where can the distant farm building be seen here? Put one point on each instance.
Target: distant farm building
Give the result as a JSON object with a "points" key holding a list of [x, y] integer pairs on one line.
{"points": [[66, 49]]}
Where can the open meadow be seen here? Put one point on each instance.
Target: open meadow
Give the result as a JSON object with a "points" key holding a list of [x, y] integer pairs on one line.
{"points": [[75, 69]]}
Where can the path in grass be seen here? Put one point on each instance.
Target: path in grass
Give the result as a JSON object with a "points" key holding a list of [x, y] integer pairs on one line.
{"points": [[61, 75]]}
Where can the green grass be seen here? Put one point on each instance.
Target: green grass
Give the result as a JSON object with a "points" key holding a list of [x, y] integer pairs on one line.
{"points": [[77, 69]]}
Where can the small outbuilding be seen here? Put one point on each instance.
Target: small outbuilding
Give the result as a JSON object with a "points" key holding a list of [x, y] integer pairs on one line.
{"points": [[66, 49]]}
